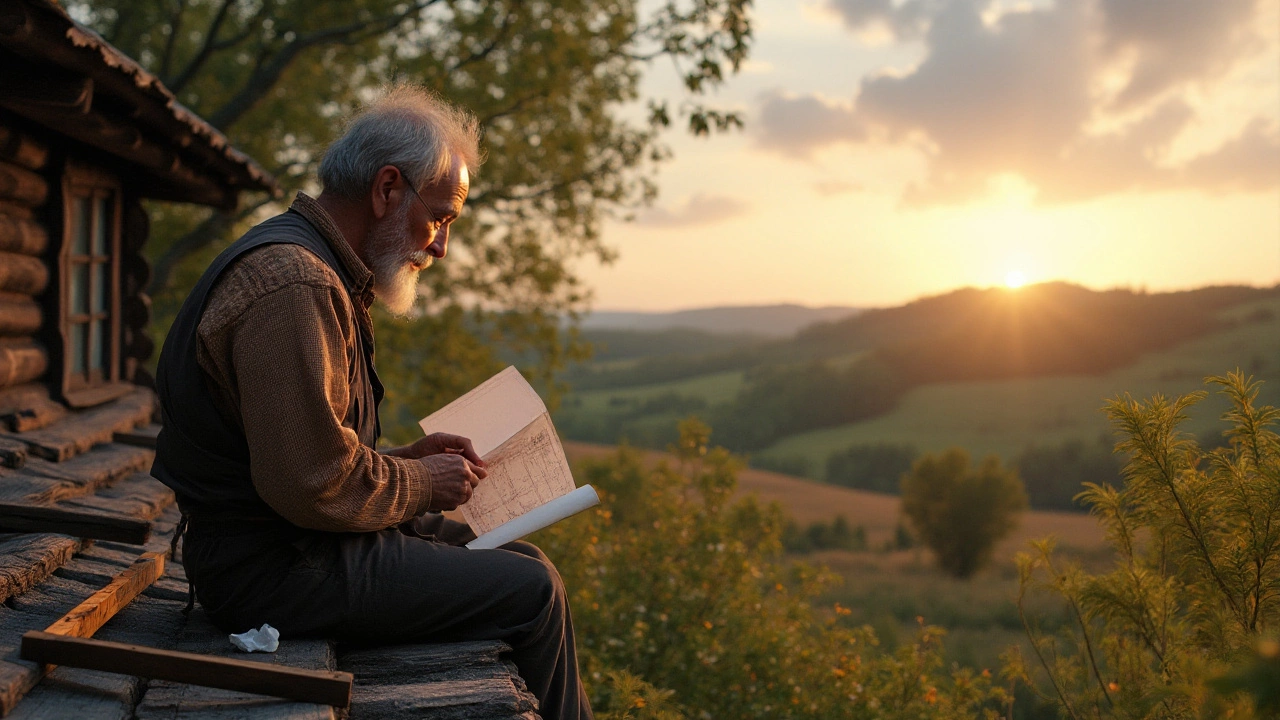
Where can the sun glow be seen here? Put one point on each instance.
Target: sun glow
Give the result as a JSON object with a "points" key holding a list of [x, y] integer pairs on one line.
{"points": [[1015, 279]]}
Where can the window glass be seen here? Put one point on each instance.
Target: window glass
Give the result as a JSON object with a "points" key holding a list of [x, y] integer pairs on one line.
{"points": [[102, 347], [79, 348], [102, 225], [102, 288], [80, 289], [81, 225]]}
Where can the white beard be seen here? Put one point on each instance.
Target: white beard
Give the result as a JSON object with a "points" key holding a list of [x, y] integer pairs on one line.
{"points": [[395, 262]]}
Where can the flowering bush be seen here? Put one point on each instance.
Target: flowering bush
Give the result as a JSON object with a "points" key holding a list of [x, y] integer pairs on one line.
{"points": [[685, 607]]}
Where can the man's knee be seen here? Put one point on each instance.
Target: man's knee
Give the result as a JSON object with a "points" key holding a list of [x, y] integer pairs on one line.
{"points": [[528, 549]]}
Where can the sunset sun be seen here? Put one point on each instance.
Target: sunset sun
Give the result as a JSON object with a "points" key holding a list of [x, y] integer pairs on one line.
{"points": [[1015, 279]]}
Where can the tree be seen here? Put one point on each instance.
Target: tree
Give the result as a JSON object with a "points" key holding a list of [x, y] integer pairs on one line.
{"points": [[550, 83], [685, 607], [961, 512], [1193, 601]]}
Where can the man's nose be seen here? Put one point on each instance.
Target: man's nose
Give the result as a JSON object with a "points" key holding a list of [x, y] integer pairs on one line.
{"points": [[440, 245]]}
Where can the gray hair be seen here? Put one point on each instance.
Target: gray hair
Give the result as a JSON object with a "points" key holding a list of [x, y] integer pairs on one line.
{"points": [[409, 127]]}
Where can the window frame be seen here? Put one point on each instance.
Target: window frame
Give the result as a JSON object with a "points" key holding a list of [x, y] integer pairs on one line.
{"points": [[87, 385]]}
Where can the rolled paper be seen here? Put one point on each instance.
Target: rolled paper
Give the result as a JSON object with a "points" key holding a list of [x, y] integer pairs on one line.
{"points": [[538, 518]]}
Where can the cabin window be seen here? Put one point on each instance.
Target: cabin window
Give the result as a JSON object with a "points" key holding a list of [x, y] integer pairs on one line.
{"points": [[90, 295]]}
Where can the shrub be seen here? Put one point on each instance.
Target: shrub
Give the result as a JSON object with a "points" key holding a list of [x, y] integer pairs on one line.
{"points": [[685, 607], [1054, 475], [877, 467], [1195, 592], [960, 512]]}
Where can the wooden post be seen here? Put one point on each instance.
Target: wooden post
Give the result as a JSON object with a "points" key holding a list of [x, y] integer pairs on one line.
{"points": [[326, 687]]}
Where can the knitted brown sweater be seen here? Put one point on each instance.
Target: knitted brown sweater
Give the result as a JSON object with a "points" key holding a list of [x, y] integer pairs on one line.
{"points": [[276, 337]]}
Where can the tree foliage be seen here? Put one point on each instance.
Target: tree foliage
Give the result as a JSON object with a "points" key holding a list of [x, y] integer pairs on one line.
{"points": [[685, 607], [961, 512], [551, 82], [1196, 587]]}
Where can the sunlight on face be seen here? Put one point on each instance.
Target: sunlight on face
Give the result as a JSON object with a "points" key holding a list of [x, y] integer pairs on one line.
{"points": [[1015, 279]]}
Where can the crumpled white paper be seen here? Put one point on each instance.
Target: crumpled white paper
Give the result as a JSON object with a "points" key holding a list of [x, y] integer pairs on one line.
{"points": [[264, 639]]}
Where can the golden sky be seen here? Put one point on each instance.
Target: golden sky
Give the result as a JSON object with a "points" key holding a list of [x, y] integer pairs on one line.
{"points": [[899, 148]]}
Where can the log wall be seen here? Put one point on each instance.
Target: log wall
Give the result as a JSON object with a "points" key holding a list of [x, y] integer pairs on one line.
{"points": [[25, 270]]}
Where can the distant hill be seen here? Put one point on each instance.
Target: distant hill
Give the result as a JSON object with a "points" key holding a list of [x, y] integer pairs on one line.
{"points": [[767, 320]]}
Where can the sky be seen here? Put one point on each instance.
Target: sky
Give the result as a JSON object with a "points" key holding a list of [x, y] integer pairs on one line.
{"points": [[901, 148]]}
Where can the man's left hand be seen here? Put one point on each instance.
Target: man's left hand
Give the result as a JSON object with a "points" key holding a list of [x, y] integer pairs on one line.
{"points": [[437, 443]]}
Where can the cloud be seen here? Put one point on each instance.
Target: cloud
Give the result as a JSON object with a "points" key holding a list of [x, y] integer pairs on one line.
{"points": [[802, 124], [1080, 98], [699, 209], [828, 188]]}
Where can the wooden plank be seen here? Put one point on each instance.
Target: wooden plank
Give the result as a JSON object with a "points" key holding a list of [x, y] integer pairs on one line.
{"points": [[21, 235], [19, 183], [144, 436], [82, 430], [319, 686], [21, 361], [13, 453], [77, 523], [85, 619], [449, 681], [137, 496], [44, 482], [26, 560], [28, 407], [19, 314], [23, 274]]}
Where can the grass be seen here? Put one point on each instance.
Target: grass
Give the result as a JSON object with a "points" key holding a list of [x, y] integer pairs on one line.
{"points": [[714, 388]]}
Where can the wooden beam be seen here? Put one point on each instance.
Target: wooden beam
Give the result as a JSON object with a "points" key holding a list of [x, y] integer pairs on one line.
{"points": [[21, 235], [22, 149], [85, 619], [19, 183], [326, 687], [77, 523], [13, 453], [33, 83], [144, 436], [21, 361], [22, 274], [19, 314]]}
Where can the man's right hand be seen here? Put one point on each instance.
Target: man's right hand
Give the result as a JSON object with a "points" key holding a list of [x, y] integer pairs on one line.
{"points": [[452, 479]]}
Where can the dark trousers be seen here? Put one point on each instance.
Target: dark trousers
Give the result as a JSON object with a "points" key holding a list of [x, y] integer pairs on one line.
{"points": [[412, 584]]}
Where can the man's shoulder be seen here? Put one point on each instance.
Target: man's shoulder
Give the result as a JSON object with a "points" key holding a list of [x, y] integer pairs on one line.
{"points": [[264, 271]]}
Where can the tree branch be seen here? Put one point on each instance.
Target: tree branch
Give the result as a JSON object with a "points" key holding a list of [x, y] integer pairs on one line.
{"points": [[210, 45], [175, 27], [200, 237]]}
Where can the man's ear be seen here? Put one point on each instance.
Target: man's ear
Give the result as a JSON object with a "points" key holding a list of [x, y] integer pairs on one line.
{"points": [[388, 187]]}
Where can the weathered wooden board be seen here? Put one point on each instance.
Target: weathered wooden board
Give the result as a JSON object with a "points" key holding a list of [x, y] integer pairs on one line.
{"points": [[13, 453], [77, 523], [137, 496], [84, 619], [144, 436], [25, 560], [42, 481], [442, 682], [28, 407], [82, 430]]}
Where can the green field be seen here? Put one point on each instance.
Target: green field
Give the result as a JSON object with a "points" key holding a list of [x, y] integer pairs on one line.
{"points": [[1003, 417]]}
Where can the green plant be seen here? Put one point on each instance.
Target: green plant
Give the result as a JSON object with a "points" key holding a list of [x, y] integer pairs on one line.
{"points": [[960, 512], [677, 587], [1173, 631]]}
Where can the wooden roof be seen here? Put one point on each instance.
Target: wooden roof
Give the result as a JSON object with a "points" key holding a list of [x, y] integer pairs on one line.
{"points": [[98, 460], [62, 75]]}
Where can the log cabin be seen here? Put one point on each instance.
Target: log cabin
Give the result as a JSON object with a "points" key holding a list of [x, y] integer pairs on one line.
{"points": [[86, 135]]}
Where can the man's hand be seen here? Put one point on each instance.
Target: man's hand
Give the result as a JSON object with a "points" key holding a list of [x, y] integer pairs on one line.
{"points": [[437, 443], [453, 477]]}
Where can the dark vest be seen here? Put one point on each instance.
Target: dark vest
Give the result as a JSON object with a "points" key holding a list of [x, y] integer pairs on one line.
{"points": [[199, 453]]}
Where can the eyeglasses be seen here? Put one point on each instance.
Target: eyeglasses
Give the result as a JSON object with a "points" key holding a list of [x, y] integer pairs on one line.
{"points": [[434, 223]]}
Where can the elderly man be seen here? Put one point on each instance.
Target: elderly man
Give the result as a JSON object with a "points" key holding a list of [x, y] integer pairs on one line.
{"points": [[270, 404]]}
